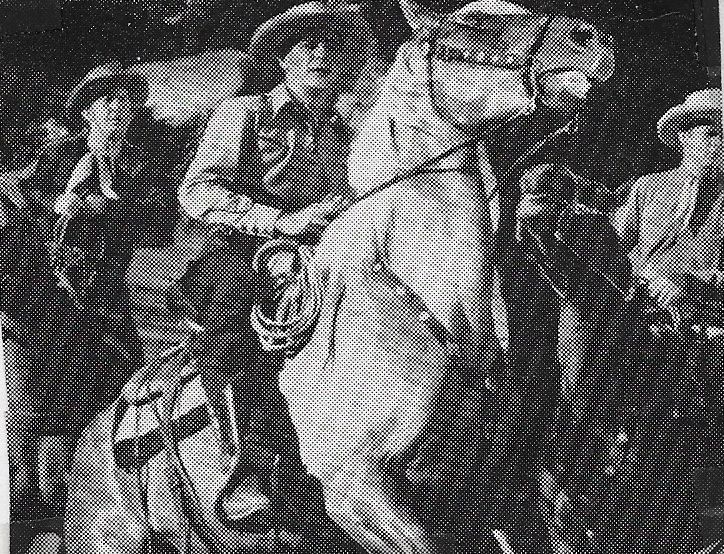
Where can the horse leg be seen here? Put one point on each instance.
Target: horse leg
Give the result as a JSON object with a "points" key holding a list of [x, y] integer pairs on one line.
{"points": [[357, 499]]}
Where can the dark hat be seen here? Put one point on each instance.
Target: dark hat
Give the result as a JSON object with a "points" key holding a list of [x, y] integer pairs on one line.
{"points": [[274, 37], [101, 81]]}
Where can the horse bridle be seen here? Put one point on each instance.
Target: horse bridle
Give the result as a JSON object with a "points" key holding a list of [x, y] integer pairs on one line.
{"points": [[520, 62]]}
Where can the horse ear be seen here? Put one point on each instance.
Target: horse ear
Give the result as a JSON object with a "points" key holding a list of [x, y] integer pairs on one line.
{"points": [[421, 18]]}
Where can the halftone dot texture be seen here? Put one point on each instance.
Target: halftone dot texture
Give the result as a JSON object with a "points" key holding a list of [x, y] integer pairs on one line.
{"points": [[592, 433]]}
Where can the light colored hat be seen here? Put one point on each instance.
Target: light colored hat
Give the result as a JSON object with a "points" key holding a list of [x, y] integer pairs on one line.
{"points": [[102, 80], [281, 32], [702, 105]]}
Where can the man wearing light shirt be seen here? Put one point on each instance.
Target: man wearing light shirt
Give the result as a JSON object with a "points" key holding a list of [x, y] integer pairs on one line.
{"points": [[269, 166], [673, 222]]}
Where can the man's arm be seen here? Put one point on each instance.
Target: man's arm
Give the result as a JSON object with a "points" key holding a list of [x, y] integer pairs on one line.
{"points": [[37, 181], [204, 192]]}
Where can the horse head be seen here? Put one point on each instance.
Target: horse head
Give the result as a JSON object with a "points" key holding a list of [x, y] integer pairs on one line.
{"points": [[469, 73], [491, 60]]}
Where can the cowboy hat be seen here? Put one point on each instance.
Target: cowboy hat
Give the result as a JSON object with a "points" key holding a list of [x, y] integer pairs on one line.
{"points": [[702, 105], [101, 81], [276, 36]]}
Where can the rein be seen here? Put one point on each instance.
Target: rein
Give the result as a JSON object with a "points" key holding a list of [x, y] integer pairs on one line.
{"points": [[287, 335]]}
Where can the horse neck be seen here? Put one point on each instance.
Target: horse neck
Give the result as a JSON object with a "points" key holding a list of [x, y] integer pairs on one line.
{"points": [[469, 163]]}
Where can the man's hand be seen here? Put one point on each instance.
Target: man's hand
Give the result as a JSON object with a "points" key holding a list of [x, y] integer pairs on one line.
{"points": [[312, 219], [69, 204], [666, 292], [536, 213], [542, 197]]}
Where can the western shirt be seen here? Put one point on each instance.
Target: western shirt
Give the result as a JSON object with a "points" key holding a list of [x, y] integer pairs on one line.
{"points": [[673, 224], [300, 162]]}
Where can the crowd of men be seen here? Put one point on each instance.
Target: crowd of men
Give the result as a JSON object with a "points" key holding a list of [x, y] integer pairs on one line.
{"points": [[274, 166]]}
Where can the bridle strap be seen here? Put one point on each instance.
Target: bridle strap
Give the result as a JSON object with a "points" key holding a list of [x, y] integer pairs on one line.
{"points": [[532, 84]]}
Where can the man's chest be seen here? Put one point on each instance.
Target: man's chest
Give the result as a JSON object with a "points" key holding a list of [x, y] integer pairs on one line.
{"points": [[683, 236], [660, 211], [299, 164], [89, 174], [297, 144]]}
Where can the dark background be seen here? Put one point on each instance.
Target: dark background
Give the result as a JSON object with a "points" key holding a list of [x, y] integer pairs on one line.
{"points": [[49, 45]]}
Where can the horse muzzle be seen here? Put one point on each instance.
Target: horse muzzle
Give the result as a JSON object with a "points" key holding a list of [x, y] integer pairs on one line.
{"points": [[557, 59], [573, 57], [564, 91]]}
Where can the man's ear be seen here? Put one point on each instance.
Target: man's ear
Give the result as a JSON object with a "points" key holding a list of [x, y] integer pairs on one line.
{"points": [[682, 137]]}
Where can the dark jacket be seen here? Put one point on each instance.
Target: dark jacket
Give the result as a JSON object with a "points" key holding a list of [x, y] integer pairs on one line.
{"points": [[146, 210]]}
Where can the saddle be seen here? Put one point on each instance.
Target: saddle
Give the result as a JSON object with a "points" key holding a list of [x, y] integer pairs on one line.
{"points": [[263, 490]]}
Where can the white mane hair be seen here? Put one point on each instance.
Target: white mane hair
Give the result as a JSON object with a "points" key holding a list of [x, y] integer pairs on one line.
{"points": [[421, 18]]}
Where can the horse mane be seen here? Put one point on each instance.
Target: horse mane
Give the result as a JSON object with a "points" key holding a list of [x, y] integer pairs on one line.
{"points": [[402, 129]]}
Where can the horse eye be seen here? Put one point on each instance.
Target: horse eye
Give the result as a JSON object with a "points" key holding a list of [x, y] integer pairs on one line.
{"points": [[582, 36]]}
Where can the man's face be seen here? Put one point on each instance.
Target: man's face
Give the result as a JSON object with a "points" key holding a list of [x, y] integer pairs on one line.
{"points": [[112, 112], [315, 63], [702, 143]]}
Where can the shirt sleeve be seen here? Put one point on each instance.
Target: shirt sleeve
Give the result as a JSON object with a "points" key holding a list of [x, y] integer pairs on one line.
{"points": [[204, 192], [37, 182]]}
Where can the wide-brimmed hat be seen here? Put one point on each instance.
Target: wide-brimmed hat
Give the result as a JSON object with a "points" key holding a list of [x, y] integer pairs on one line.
{"points": [[702, 105], [276, 36], [102, 80]]}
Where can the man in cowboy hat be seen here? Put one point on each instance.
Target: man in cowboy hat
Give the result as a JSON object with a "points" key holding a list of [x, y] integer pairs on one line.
{"points": [[108, 181], [672, 223], [268, 166], [673, 226]]}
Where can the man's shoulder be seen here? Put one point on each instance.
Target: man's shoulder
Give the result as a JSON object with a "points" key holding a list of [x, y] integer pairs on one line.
{"points": [[59, 157], [69, 145], [237, 107]]}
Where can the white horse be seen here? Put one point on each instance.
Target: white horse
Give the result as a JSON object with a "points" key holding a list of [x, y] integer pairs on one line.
{"points": [[407, 287], [407, 272]]}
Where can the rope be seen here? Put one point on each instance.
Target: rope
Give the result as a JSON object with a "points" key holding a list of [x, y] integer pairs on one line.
{"points": [[284, 332]]}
